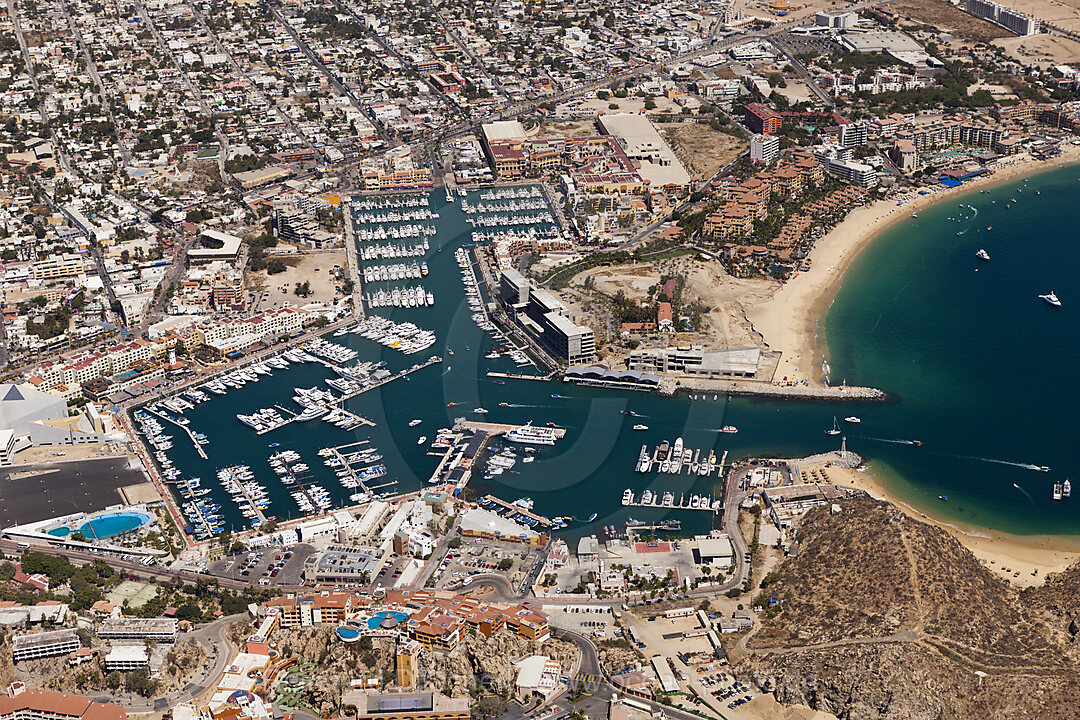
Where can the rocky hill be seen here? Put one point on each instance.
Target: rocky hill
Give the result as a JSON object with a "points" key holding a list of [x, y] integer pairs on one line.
{"points": [[882, 616], [479, 666]]}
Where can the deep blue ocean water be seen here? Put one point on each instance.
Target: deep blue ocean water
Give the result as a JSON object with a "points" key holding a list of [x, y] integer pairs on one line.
{"points": [[979, 369]]}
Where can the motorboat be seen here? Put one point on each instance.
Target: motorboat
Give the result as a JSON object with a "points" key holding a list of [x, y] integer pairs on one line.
{"points": [[641, 427], [627, 496], [414, 423], [1066, 488], [982, 254], [1051, 298], [853, 419], [1059, 491], [730, 429], [421, 440]]}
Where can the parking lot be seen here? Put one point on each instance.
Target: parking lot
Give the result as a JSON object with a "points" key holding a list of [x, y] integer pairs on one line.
{"points": [[724, 687], [269, 566], [460, 565], [594, 620]]}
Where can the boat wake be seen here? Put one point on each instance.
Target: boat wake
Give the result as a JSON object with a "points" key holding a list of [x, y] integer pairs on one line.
{"points": [[897, 441], [1026, 466], [1030, 499]]}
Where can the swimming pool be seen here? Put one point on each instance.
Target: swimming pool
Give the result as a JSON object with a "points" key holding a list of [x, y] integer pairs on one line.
{"points": [[348, 634], [105, 525], [376, 620]]}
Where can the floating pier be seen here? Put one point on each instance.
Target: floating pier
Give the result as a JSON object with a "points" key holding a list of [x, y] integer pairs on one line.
{"points": [[518, 510], [495, 428], [185, 428], [658, 499]]}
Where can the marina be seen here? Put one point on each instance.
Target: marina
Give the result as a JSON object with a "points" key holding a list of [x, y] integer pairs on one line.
{"points": [[675, 459], [650, 499]]}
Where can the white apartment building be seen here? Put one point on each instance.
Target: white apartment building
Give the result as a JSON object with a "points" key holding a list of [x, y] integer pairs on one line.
{"points": [[44, 644]]}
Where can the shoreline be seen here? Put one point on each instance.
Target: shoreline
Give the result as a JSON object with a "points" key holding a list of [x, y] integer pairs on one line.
{"points": [[1023, 560], [789, 321]]}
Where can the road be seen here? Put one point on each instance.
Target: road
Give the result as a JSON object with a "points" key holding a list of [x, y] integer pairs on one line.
{"points": [[211, 638]]}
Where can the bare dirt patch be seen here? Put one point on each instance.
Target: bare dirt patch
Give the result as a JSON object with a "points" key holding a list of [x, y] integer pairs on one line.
{"points": [[1043, 51], [946, 17], [701, 148], [726, 297], [576, 128], [314, 268]]}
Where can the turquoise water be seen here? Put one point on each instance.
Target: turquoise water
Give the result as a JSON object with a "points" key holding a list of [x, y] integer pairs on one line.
{"points": [[985, 372], [106, 525], [375, 621], [978, 369], [347, 634]]}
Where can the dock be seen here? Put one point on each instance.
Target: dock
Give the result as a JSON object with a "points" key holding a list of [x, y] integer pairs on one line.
{"points": [[341, 454], [518, 510], [686, 466], [259, 514], [185, 428], [519, 376], [682, 504], [495, 428], [390, 378]]}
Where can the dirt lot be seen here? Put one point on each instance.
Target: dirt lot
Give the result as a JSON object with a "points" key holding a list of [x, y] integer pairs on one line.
{"points": [[1043, 51], [702, 149], [948, 18], [578, 128], [705, 281], [314, 267], [796, 9], [1063, 14]]}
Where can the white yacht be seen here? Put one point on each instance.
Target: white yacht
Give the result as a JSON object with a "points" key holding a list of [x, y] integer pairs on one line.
{"points": [[1051, 298], [982, 254]]}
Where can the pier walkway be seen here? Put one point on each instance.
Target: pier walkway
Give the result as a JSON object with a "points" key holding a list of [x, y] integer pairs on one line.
{"points": [[353, 261], [185, 428], [342, 453], [390, 378], [682, 504], [519, 510], [519, 376], [494, 428]]}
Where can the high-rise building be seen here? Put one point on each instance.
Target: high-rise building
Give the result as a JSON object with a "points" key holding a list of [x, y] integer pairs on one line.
{"points": [[852, 135], [1011, 20], [764, 148]]}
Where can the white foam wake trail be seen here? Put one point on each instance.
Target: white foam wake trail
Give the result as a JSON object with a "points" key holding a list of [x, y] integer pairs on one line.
{"points": [[1031, 499]]}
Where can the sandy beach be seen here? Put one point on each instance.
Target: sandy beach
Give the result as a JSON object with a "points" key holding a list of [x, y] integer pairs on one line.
{"points": [[789, 320], [1023, 560]]}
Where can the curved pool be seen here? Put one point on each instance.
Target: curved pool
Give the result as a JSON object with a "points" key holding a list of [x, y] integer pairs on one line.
{"points": [[347, 634], [106, 525], [376, 620]]}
